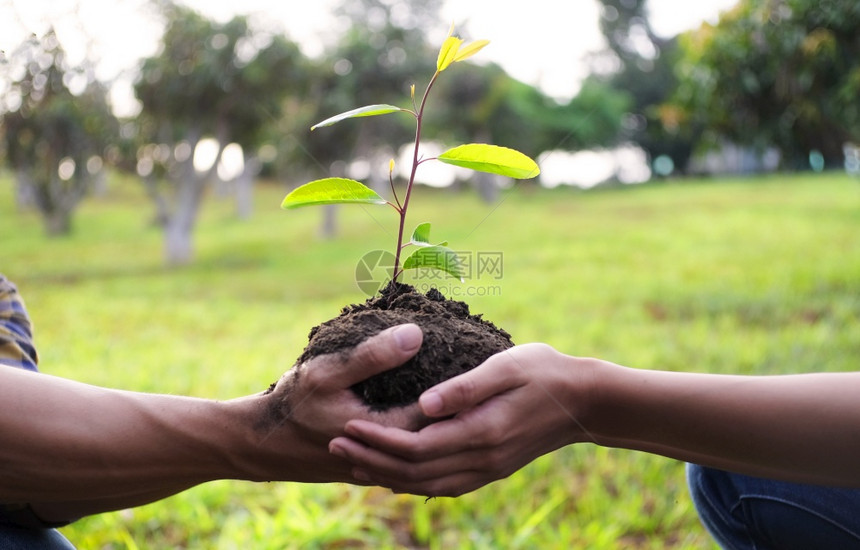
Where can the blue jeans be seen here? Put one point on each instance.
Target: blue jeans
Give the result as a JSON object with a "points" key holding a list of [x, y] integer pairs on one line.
{"points": [[15, 538], [746, 513]]}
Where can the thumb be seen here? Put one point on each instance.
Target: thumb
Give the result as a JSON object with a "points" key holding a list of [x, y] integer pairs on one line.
{"points": [[492, 377], [390, 348]]}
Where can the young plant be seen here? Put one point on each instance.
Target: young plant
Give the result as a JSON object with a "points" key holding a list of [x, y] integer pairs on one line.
{"points": [[476, 156]]}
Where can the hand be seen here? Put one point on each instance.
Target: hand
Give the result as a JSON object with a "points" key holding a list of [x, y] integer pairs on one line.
{"points": [[518, 405], [316, 395], [312, 402], [156, 445]]}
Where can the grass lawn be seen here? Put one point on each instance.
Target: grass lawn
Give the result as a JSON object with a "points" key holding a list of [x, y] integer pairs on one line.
{"points": [[752, 276]]}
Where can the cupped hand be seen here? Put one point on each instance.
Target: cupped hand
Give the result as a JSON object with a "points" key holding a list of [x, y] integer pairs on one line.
{"points": [[518, 405], [312, 402]]}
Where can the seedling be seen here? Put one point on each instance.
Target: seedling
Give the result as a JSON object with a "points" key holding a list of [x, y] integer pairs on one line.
{"points": [[476, 156]]}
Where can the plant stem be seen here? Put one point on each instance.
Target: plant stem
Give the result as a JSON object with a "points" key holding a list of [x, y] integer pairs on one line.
{"points": [[394, 192], [419, 116]]}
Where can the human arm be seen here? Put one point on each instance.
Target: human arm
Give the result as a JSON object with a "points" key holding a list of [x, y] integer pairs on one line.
{"points": [[531, 399], [71, 449]]}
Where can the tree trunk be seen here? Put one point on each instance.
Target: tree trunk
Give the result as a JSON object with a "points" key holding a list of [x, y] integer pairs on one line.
{"points": [[56, 200], [25, 192], [328, 228], [162, 212], [98, 183], [179, 230], [221, 188], [378, 178], [178, 245], [245, 187], [488, 186], [58, 222]]}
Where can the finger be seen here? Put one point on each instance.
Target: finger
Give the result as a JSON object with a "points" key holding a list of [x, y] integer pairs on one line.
{"points": [[368, 458], [452, 485], [379, 463], [390, 440], [390, 348], [404, 476], [498, 374], [407, 417], [446, 485], [443, 438]]}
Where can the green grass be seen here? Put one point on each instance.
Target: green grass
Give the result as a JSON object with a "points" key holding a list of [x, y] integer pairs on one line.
{"points": [[757, 276]]}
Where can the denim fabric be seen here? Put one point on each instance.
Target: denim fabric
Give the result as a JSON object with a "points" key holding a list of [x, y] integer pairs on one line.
{"points": [[746, 513], [15, 538]]}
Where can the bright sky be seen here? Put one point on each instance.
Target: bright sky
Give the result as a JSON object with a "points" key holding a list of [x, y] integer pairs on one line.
{"points": [[543, 44]]}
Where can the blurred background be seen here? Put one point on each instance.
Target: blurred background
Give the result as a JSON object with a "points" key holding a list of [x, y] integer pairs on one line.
{"points": [[697, 209], [599, 91]]}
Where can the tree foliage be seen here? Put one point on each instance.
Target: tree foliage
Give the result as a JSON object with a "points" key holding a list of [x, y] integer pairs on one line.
{"points": [[226, 81], [382, 50], [485, 103], [238, 83], [783, 73], [643, 68], [53, 139]]}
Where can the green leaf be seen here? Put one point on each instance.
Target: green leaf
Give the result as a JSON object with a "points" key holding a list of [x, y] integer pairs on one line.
{"points": [[367, 110], [436, 257], [492, 159], [331, 191], [421, 235]]}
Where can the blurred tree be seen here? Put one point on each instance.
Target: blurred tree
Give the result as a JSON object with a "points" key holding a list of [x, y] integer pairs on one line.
{"points": [[777, 73], [265, 93], [381, 51], [56, 125], [642, 64], [483, 103], [225, 81]]}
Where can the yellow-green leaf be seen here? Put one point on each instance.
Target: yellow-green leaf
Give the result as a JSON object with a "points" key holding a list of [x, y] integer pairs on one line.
{"points": [[448, 52], [367, 110], [493, 159], [436, 257], [331, 191], [470, 49], [421, 235]]}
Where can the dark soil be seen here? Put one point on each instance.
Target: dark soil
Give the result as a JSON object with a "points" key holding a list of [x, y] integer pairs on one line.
{"points": [[455, 341]]}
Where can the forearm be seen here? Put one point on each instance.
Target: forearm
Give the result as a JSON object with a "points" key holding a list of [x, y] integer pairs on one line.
{"points": [[71, 449], [803, 428], [67, 511], [80, 449]]}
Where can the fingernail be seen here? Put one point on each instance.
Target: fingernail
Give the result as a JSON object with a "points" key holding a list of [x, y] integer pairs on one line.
{"points": [[360, 475], [430, 403], [336, 450], [408, 337]]}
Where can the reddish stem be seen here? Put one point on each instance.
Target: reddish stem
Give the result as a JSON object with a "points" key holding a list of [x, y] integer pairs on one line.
{"points": [[419, 116]]}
